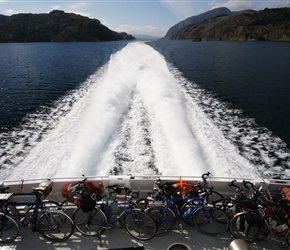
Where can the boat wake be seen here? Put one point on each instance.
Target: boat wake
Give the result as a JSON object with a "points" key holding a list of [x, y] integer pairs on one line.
{"points": [[138, 115]]}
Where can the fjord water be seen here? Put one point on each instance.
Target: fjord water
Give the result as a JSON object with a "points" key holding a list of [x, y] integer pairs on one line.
{"points": [[163, 107]]}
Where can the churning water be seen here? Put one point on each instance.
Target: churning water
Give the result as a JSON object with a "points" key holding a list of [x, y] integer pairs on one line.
{"points": [[137, 113]]}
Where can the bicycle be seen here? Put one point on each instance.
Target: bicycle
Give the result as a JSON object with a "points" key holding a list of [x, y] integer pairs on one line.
{"points": [[137, 223], [180, 189], [269, 219], [240, 201], [205, 217], [51, 224]]}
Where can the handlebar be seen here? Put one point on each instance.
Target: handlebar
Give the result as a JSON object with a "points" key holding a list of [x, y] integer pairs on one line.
{"points": [[233, 184], [205, 176], [4, 189], [248, 184]]}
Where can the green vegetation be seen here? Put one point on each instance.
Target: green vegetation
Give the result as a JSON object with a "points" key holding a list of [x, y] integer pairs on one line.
{"points": [[249, 25], [57, 26]]}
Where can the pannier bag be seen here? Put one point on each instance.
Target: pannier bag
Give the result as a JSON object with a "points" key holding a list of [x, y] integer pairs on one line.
{"points": [[45, 187], [87, 203], [69, 191]]}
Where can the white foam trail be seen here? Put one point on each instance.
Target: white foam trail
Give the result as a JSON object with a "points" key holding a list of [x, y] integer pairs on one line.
{"points": [[183, 140], [162, 99], [146, 70]]}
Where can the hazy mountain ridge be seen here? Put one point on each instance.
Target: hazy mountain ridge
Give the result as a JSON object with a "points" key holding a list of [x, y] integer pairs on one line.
{"points": [[263, 25], [57, 26], [196, 19]]}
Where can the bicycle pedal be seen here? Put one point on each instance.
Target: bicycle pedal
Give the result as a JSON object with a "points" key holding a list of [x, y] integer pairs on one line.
{"points": [[108, 227], [180, 225], [272, 237], [119, 224]]}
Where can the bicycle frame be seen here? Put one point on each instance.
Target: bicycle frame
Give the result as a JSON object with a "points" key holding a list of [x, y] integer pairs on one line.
{"points": [[171, 204], [12, 211], [104, 206]]}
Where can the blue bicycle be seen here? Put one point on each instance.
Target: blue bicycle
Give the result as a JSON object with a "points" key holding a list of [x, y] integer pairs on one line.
{"points": [[112, 211], [194, 211], [38, 215]]}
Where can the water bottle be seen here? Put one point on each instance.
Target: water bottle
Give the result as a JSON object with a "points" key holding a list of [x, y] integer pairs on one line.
{"points": [[188, 212]]}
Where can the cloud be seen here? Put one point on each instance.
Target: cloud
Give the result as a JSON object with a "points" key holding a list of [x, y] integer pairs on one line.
{"points": [[55, 7], [86, 14], [233, 4], [76, 9], [131, 29], [286, 4], [78, 5], [10, 12]]}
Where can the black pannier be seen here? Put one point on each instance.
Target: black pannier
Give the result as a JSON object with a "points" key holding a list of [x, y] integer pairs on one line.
{"points": [[87, 203]]}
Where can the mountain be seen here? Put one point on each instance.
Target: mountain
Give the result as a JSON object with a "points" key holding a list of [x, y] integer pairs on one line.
{"points": [[196, 19], [57, 26], [145, 37], [250, 25]]}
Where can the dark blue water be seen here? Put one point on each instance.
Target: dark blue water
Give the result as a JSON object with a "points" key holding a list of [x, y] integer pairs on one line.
{"points": [[34, 75], [251, 76], [241, 87]]}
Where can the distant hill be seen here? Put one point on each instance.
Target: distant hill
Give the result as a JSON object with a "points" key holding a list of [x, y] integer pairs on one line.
{"points": [[146, 37], [196, 19], [57, 26], [264, 25]]}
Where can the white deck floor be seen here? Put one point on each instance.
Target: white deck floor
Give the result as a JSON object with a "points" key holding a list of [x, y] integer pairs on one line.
{"points": [[118, 238]]}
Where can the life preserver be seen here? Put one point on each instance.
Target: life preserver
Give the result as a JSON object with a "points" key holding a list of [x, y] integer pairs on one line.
{"points": [[286, 192], [68, 193], [182, 184], [68, 190]]}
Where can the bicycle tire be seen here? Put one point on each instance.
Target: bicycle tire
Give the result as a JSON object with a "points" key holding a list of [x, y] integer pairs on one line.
{"points": [[164, 218], [139, 224], [229, 206], [249, 226], [90, 223], [210, 220], [9, 229], [52, 205], [213, 197], [55, 226], [287, 238]]}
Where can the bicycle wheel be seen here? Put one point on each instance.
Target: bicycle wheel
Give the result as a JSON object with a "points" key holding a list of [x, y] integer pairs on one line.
{"points": [[9, 229], [52, 205], [229, 206], [91, 223], [164, 218], [287, 239], [140, 225], [210, 220], [55, 226], [249, 226], [213, 196]]}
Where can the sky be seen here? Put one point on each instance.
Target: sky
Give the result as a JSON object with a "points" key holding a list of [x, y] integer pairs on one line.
{"points": [[150, 17]]}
